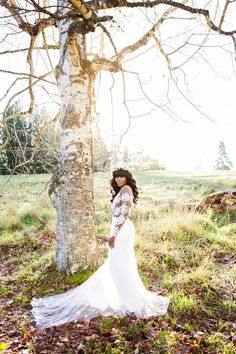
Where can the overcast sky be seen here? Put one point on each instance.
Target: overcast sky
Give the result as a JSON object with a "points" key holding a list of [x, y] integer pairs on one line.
{"points": [[186, 140], [202, 98]]}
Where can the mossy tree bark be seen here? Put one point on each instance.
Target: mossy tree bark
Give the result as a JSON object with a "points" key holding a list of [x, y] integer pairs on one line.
{"points": [[71, 187]]}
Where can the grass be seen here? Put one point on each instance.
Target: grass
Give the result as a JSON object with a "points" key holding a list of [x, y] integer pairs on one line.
{"points": [[188, 256]]}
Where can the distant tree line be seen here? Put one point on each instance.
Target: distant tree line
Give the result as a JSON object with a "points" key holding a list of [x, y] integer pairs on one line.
{"points": [[136, 161], [30, 145]]}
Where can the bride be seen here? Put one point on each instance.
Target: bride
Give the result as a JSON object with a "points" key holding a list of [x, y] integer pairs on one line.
{"points": [[116, 288]]}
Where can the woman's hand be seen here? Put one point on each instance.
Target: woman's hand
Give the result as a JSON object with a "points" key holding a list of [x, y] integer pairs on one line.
{"points": [[111, 241]]}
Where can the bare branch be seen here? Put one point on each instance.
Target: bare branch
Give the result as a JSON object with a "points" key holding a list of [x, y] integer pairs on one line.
{"points": [[49, 46], [193, 54], [111, 64], [100, 5], [224, 13], [189, 101], [146, 37], [11, 86], [82, 8], [45, 45], [44, 10], [41, 77], [126, 107], [104, 64], [163, 52], [17, 94], [30, 62], [116, 64], [176, 5], [32, 30]]}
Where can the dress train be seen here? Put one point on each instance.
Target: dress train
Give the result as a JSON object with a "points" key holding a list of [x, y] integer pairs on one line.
{"points": [[115, 289]]}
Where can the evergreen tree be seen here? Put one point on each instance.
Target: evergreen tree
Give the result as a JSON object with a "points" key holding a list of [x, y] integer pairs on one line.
{"points": [[31, 144], [45, 142], [15, 133], [223, 162], [126, 157], [101, 156]]}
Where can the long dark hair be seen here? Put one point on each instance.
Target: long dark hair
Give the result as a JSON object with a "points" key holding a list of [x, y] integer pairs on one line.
{"points": [[120, 172]]}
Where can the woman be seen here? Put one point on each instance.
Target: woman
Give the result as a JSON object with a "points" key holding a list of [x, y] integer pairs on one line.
{"points": [[116, 288]]}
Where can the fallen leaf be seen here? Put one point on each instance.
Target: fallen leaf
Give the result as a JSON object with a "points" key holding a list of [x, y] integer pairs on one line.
{"points": [[3, 346], [26, 335]]}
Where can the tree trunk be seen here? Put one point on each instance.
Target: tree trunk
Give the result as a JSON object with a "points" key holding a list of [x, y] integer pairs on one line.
{"points": [[71, 187]]}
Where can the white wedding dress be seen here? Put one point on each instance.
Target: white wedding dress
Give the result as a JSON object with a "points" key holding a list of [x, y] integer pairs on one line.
{"points": [[115, 289]]}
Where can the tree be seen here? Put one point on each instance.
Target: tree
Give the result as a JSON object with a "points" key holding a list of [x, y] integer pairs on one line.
{"points": [[150, 163], [101, 155], [19, 144], [126, 157], [45, 143], [71, 187], [223, 162], [32, 146]]}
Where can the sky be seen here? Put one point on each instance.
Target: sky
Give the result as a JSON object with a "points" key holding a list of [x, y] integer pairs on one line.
{"points": [[201, 94], [191, 142], [204, 100]]}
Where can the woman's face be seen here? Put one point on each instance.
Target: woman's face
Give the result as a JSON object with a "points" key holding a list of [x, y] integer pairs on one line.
{"points": [[121, 181]]}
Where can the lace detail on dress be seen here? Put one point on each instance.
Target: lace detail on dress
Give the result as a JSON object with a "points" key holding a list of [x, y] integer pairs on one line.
{"points": [[121, 207]]}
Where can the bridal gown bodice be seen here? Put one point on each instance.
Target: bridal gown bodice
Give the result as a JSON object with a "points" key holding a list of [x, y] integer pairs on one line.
{"points": [[115, 289], [122, 207]]}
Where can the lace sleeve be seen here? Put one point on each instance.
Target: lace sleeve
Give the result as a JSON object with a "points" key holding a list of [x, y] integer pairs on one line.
{"points": [[126, 203]]}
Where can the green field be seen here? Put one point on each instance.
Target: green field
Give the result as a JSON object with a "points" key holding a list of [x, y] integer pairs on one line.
{"points": [[186, 255]]}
